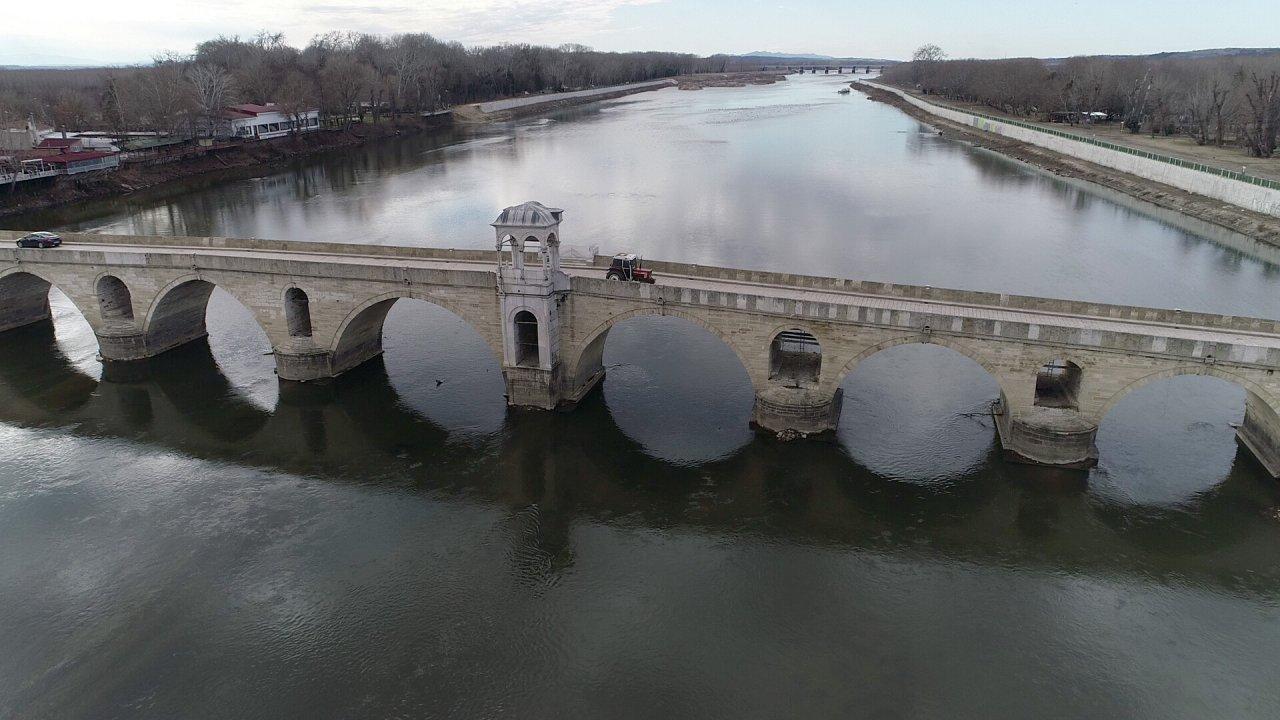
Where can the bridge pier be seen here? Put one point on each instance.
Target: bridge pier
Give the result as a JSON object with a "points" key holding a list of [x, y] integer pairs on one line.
{"points": [[308, 365], [122, 344], [792, 411], [1055, 437], [1260, 433]]}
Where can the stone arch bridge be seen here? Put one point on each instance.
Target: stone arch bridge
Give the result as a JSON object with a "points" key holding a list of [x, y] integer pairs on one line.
{"points": [[1060, 365]]}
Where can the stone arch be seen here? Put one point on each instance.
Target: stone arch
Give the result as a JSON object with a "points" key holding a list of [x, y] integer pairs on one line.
{"points": [[587, 354], [1260, 429], [1251, 388], [359, 335], [176, 315], [919, 338], [297, 312], [115, 302], [24, 298]]}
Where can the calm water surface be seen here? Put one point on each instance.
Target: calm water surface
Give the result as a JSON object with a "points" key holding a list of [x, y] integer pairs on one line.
{"points": [[193, 539]]}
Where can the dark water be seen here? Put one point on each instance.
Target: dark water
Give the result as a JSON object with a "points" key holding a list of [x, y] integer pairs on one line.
{"points": [[192, 539]]}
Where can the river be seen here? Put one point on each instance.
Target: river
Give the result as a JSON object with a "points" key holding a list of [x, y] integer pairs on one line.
{"points": [[193, 539]]}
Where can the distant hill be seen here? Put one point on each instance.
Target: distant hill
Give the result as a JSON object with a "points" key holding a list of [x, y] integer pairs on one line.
{"points": [[1216, 52], [793, 56], [1190, 54]]}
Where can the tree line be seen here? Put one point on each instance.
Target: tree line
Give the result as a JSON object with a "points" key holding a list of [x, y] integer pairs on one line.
{"points": [[1214, 100], [347, 76]]}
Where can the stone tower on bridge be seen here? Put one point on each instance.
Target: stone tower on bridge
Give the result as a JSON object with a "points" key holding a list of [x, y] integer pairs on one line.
{"points": [[532, 289]]}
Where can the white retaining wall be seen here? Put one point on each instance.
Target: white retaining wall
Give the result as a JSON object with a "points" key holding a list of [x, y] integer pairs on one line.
{"points": [[1254, 197], [500, 105]]}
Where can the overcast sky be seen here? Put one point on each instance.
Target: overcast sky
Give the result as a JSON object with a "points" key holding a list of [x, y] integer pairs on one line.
{"points": [[126, 31]]}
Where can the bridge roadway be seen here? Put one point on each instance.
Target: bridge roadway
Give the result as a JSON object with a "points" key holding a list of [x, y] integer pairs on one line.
{"points": [[1060, 365], [786, 292]]}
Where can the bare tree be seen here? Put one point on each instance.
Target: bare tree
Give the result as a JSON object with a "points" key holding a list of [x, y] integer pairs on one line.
{"points": [[924, 59], [343, 81], [212, 89], [165, 95], [117, 105], [1262, 121], [1205, 106], [71, 113], [297, 97]]}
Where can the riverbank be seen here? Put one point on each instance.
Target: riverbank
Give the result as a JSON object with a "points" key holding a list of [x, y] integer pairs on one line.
{"points": [[255, 156], [270, 154], [1258, 226]]}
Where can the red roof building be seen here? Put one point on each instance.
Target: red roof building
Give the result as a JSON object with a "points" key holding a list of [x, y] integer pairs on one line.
{"points": [[78, 162]]}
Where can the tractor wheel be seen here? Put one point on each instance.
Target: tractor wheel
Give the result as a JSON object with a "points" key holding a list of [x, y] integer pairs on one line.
{"points": [[614, 276]]}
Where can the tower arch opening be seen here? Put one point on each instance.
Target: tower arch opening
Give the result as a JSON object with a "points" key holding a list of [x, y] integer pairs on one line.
{"points": [[526, 335]]}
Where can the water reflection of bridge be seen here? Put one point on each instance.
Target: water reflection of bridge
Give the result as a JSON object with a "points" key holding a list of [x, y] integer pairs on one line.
{"points": [[357, 430]]}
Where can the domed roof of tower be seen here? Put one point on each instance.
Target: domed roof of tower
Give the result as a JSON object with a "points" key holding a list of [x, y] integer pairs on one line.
{"points": [[532, 214]]}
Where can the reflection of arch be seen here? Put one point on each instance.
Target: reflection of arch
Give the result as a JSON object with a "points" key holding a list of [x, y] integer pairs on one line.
{"points": [[359, 335], [366, 396], [920, 339], [191, 380], [35, 371], [1251, 388], [588, 353], [114, 300]]}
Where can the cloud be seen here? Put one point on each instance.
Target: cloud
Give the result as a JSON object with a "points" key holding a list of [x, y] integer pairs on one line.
{"points": [[482, 21], [132, 30], [357, 10]]}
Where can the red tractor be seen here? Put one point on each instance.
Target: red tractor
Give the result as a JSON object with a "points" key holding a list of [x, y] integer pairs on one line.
{"points": [[626, 266]]}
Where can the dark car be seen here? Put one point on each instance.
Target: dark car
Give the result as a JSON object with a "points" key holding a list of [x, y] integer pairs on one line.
{"points": [[39, 240]]}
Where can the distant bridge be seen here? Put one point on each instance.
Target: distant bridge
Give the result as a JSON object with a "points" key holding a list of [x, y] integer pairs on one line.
{"points": [[1060, 364], [826, 69]]}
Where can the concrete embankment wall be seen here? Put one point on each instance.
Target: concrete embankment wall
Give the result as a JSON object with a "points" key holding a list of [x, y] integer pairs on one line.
{"points": [[1258, 198], [513, 103]]}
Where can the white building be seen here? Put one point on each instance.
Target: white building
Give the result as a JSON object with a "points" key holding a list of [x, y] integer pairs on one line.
{"points": [[20, 138], [262, 122]]}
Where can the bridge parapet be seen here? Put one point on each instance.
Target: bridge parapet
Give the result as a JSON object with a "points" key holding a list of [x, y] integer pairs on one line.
{"points": [[962, 297]]}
